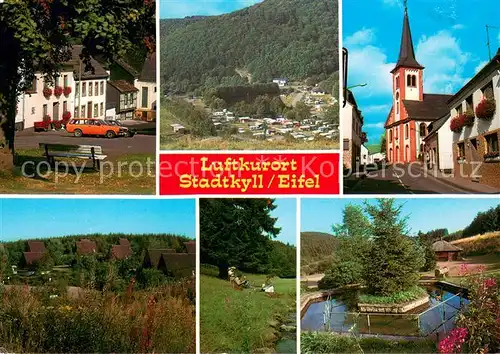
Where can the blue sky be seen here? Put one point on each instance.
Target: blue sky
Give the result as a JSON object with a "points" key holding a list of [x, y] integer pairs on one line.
{"points": [[449, 38], [286, 212], [183, 8], [425, 213], [39, 218]]}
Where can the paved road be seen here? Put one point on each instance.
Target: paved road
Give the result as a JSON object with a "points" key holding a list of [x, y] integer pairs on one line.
{"points": [[138, 144], [406, 179]]}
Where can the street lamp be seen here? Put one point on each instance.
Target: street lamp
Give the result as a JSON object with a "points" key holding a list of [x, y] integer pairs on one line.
{"points": [[359, 85]]}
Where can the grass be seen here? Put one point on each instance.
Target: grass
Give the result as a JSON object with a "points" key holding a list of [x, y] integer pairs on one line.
{"points": [[187, 142], [159, 320], [127, 175], [480, 244], [322, 342], [396, 298], [240, 321]]}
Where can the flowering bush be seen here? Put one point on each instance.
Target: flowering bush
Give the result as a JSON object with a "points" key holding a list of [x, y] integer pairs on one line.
{"points": [[453, 343], [469, 118], [66, 116], [47, 92], [457, 123], [67, 91], [58, 90], [57, 124], [486, 108], [46, 118]]}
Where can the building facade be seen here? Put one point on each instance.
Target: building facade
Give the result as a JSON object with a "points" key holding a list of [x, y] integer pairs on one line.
{"points": [[438, 146], [352, 124], [122, 96], [146, 84], [412, 110], [475, 126]]}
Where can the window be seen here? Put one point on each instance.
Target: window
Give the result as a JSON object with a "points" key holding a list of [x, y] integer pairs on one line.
{"points": [[406, 131], [397, 102], [56, 82], [346, 144], [77, 88], [32, 110], [492, 143], [397, 82], [90, 89], [84, 90], [459, 109], [155, 89], [126, 99], [488, 90], [396, 135], [96, 110], [390, 135], [408, 80], [96, 89], [473, 142], [469, 102], [66, 84], [83, 110], [65, 106], [144, 103], [102, 87], [44, 110], [33, 85], [461, 149], [411, 80], [75, 113], [102, 109], [423, 129]]}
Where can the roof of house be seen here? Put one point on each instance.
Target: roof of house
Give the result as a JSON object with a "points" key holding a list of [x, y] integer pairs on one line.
{"points": [[433, 107], [494, 64], [121, 251], [444, 246], [154, 255], [86, 246], [33, 257], [123, 86], [97, 71], [407, 52], [127, 67], [148, 72], [191, 246], [124, 242], [36, 246], [436, 125], [179, 262]]}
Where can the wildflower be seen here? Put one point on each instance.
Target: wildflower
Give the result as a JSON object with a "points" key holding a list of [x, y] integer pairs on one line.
{"points": [[489, 283], [453, 343]]}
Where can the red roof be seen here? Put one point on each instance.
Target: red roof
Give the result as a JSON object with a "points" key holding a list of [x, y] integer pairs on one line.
{"points": [[152, 257], [191, 246], [124, 242], [32, 257], [36, 246], [121, 251], [86, 247], [180, 264]]}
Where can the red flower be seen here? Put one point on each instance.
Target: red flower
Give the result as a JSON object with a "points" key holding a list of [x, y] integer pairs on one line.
{"points": [[457, 123], [46, 118], [489, 283], [58, 90], [486, 108], [47, 92], [453, 343], [67, 91], [66, 116]]}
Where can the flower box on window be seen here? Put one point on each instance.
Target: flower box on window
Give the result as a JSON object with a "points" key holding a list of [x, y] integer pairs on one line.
{"points": [[457, 123], [493, 156], [67, 90], [66, 116], [58, 91], [461, 159], [486, 108], [47, 92], [469, 118]]}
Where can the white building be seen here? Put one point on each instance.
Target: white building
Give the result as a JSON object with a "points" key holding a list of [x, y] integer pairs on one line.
{"points": [[282, 82], [364, 155], [64, 95], [146, 84], [352, 123], [438, 145]]}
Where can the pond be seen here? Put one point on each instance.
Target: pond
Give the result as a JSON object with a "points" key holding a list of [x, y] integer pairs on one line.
{"points": [[338, 314]]}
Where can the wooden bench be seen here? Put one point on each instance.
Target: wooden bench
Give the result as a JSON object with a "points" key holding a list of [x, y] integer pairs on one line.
{"points": [[91, 152]]}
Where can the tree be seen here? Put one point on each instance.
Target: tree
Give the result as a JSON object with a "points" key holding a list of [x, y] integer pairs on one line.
{"points": [[332, 115], [236, 232], [302, 111], [383, 143], [40, 33], [394, 259]]}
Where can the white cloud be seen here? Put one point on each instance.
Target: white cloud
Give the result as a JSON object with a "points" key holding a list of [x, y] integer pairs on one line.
{"points": [[374, 125], [391, 2], [377, 108], [458, 26], [370, 65], [480, 66], [361, 37], [444, 61]]}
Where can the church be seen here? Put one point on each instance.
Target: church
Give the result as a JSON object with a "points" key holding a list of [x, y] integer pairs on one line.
{"points": [[412, 110]]}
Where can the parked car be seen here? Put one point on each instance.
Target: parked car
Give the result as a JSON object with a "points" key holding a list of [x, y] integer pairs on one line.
{"points": [[93, 126], [130, 132]]}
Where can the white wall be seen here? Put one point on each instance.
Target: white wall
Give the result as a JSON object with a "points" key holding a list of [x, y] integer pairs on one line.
{"points": [[445, 147], [99, 99], [364, 155], [412, 93], [151, 93], [481, 126]]}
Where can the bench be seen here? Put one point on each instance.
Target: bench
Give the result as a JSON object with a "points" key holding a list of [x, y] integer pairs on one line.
{"points": [[91, 152]]}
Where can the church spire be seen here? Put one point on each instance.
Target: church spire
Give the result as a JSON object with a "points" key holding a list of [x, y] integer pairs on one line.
{"points": [[407, 52]]}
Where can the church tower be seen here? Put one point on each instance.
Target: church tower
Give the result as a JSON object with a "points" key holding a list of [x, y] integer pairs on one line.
{"points": [[408, 74]]}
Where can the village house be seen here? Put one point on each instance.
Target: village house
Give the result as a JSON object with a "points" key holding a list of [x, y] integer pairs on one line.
{"points": [[445, 251], [63, 98], [85, 246], [438, 146], [146, 84], [36, 251], [121, 251], [282, 82], [412, 109], [122, 95], [171, 262], [475, 126], [352, 123]]}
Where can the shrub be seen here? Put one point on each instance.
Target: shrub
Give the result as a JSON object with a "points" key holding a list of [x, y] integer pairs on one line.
{"points": [[430, 257], [67, 91], [47, 92], [210, 270], [396, 298], [486, 108], [342, 274]]}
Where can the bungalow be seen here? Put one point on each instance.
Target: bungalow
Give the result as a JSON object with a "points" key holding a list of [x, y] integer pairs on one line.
{"points": [[121, 251], [445, 251], [178, 128], [171, 262], [36, 251], [475, 123], [282, 82], [86, 246], [152, 257]]}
